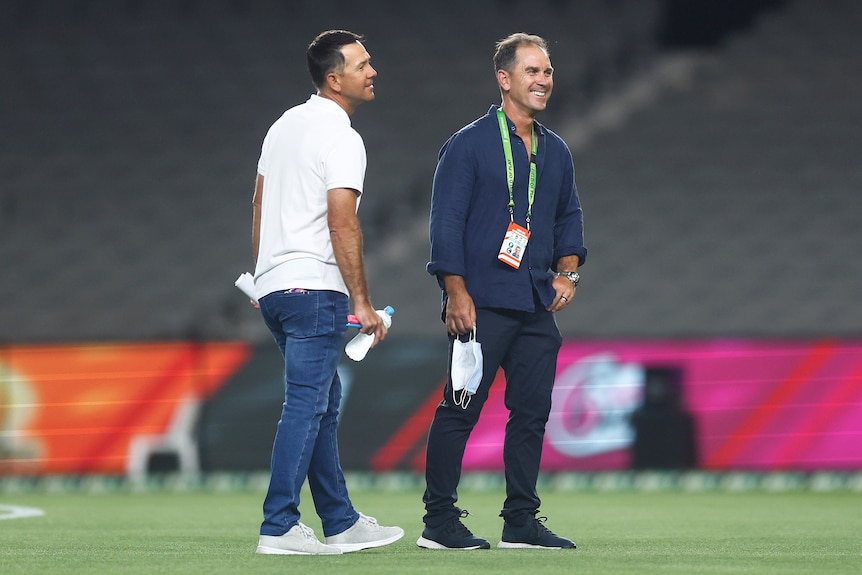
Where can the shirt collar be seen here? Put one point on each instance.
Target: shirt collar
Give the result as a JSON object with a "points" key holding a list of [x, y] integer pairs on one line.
{"points": [[492, 112], [329, 106]]}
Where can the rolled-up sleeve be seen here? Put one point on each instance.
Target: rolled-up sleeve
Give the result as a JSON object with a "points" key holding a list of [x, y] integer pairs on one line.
{"points": [[569, 226]]}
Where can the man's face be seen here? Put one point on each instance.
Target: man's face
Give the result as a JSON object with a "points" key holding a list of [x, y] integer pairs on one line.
{"points": [[531, 80], [357, 77]]}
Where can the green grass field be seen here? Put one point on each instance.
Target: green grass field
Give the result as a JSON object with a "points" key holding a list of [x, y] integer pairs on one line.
{"points": [[618, 532]]}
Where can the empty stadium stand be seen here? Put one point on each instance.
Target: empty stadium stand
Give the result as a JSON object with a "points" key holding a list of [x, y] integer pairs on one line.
{"points": [[721, 186]]}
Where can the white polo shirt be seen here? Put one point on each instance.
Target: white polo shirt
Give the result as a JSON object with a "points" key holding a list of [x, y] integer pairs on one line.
{"points": [[310, 150]]}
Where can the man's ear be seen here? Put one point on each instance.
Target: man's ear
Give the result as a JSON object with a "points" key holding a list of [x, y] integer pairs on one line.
{"points": [[504, 80], [333, 81]]}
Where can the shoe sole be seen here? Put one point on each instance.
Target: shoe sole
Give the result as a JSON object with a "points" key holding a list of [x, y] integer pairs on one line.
{"points": [[350, 547], [510, 545], [429, 544], [263, 550]]}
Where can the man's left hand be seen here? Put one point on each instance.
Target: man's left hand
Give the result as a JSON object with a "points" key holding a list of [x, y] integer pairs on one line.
{"points": [[565, 292]]}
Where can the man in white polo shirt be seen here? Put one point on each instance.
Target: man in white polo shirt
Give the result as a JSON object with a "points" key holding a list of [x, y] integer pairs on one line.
{"points": [[308, 259]]}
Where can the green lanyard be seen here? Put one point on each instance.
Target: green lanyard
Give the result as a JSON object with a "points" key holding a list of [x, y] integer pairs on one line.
{"points": [[510, 166]]}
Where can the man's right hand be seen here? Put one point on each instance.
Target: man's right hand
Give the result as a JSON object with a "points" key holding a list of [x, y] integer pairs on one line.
{"points": [[460, 310]]}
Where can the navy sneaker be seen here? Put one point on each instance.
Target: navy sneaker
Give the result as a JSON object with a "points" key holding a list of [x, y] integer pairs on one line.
{"points": [[451, 535], [533, 535]]}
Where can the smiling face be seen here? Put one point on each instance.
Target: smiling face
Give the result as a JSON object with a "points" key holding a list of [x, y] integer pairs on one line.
{"points": [[528, 84], [355, 82]]}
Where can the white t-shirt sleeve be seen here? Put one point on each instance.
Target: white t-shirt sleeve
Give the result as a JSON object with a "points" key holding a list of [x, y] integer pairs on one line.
{"points": [[261, 162], [344, 163]]}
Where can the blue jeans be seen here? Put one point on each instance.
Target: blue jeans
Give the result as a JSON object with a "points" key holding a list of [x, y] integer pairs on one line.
{"points": [[309, 328]]}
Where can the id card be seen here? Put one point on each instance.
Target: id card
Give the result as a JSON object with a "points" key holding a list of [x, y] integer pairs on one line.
{"points": [[514, 245]]}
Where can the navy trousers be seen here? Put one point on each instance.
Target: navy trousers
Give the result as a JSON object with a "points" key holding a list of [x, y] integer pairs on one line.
{"points": [[525, 345]]}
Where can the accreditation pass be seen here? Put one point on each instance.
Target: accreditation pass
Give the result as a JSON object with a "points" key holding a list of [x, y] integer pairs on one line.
{"points": [[514, 245]]}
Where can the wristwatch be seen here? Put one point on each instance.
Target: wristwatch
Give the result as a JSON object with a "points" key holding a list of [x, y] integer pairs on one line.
{"points": [[573, 277]]}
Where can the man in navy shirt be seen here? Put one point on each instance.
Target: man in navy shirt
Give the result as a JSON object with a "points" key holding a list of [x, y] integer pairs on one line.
{"points": [[506, 242]]}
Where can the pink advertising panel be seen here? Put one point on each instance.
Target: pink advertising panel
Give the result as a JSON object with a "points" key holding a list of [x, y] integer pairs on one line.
{"points": [[755, 405]]}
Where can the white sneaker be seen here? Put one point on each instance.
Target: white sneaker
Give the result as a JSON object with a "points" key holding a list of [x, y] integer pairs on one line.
{"points": [[364, 534], [300, 540]]}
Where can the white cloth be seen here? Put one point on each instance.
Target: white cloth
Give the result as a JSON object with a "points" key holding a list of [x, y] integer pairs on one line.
{"points": [[466, 371], [245, 282], [308, 151]]}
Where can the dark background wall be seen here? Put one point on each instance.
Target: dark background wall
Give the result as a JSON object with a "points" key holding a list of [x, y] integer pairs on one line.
{"points": [[715, 148]]}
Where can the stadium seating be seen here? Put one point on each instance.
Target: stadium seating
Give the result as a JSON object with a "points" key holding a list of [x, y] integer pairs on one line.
{"points": [[726, 205]]}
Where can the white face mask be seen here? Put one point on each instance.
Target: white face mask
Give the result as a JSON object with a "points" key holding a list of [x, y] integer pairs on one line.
{"points": [[466, 372]]}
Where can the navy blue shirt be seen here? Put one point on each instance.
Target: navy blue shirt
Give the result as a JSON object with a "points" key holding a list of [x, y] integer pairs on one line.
{"points": [[470, 214]]}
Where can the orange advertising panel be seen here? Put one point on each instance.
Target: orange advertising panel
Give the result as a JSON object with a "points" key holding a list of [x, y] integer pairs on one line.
{"points": [[74, 409]]}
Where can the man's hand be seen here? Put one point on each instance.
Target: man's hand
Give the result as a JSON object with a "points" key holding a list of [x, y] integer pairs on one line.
{"points": [[565, 292], [371, 322], [460, 309], [564, 287]]}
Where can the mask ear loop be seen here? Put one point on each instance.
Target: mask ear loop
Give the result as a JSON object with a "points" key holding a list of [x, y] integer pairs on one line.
{"points": [[468, 396], [464, 401]]}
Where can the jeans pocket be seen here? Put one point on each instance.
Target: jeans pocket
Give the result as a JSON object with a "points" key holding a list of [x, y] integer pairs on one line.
{"points": [[306, 313], [293, 313]]}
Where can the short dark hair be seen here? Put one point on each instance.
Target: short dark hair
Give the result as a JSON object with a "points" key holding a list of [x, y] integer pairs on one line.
{"points": [[324, 53], [507, 49]]}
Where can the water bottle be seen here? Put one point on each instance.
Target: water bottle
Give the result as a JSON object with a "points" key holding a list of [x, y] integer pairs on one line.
{"points": [[357, 347]]}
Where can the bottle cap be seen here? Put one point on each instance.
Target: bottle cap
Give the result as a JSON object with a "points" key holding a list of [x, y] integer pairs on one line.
{"points": [[389, 310]]}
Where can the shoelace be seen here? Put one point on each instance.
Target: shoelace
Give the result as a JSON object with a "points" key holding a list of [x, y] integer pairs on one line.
{"points": [[540, 525], [369, 520], [307, 531], [459, 528]]}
